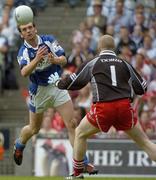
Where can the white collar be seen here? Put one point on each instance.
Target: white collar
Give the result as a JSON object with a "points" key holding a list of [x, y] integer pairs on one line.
{"points": [[39, 41], [107, 52]]}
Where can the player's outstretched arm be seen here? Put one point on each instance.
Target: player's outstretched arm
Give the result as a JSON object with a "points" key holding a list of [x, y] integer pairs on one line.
{"points": [[74, 81]]}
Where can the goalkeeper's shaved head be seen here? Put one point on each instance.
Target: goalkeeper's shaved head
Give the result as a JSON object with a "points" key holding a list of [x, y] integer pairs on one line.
{"points": [[106, 42]]}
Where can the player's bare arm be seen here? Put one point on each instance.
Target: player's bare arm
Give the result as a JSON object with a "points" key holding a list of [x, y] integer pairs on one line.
{"points": [[61, 60], [27, 70]]}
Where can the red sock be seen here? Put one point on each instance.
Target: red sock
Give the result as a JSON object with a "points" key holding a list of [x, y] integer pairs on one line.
{"points": [[78, 167]]}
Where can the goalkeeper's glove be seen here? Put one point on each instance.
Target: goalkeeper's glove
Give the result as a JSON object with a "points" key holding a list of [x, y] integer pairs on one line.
{"points": [[54, 79]]}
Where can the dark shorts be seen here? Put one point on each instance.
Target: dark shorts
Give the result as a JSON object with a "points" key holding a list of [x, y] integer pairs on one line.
{"points": [[117, 113]]}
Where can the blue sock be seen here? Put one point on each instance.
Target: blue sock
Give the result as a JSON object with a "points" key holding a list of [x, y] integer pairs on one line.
{"points": [[86, 160], [19, 145]]}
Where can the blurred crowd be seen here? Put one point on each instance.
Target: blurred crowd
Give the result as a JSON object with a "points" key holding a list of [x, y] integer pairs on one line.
{"points": [[133, 25]]}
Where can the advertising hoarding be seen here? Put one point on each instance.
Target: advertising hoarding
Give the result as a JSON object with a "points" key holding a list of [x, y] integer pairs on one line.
{"points": [[53, 157]]}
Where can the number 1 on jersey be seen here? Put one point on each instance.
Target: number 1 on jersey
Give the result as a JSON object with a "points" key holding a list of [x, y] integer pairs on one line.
{"points": [[113, 75]]}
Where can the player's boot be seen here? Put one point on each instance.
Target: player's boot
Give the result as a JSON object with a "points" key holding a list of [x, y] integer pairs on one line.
{"points": [[80, 176], [18, 152], [90, 169]]}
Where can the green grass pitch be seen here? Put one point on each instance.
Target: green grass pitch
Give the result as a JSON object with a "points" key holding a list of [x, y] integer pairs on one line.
{"points": [[61, 178]]}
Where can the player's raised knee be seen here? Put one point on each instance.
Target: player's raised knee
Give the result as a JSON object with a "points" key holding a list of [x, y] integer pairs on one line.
{"points": [[79, 133], [35, 131], [71, 125]]}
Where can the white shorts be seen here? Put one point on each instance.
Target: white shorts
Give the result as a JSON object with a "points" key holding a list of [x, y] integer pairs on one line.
{"points": [[47, 96]]}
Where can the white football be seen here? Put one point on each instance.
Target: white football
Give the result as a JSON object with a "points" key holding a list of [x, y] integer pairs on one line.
{"points": [[23, 15]]}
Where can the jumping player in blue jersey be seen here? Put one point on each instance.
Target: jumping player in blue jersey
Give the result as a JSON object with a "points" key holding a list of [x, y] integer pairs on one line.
{"points": [[38, 58]]}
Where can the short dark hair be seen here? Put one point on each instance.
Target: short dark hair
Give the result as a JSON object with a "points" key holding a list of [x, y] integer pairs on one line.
{"points": [[18, 27]]}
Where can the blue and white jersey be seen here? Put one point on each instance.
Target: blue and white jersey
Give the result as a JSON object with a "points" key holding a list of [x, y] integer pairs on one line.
{"points": [[44, 69]]}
